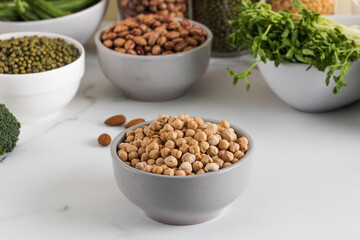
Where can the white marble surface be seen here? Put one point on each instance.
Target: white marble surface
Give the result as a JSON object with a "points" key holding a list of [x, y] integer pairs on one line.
{"points": [[58, 183]]}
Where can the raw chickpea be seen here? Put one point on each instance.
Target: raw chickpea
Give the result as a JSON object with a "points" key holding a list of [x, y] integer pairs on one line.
{"points": [[229, 156], [199, 121], [155, 126], [131, 148], [137, 142], [157, 170], [177, 124], [168, 128], [224, 123], [212, 151], [164, 167], [184, 148], [134, 162], [244, 144], [218, 136], [151, 161], [123, 155], [130, 133], [213, 127], [222, 153], [229, 135], [154, 154], [157, 140], [171, 136], [234, 147], [197, 165], [145, 157], [180, 142], [148, 168], [186, 167], [171, 161], [208, 132], [235, 160], [128, 163], [169, 172], [188, 157], [140, 165], [152, 146], [190, 133], [206, 159], [163, 137], [179, 134], [176, 153], [192, 125], [238, 154], [183, 116], [200, 136], [193, 142], [133, 155], [130, 139], [211, 167], [141, 151], [160, 161], [227, 164], [201, 171], [122, 145], [213, 140], [218, 161], [162, 117], [180, 173], [145, 142], [165, 152], [138, 130], [204, 146], [170, 144], [171, 120], [224, 144], [194, 149]]}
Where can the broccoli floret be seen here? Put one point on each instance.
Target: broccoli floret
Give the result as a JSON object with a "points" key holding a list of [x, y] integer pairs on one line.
{"points": [[9, 130]]}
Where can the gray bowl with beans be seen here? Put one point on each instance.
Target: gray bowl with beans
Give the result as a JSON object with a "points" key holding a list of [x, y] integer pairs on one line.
{"points": [[182, 200], [156, 77]]}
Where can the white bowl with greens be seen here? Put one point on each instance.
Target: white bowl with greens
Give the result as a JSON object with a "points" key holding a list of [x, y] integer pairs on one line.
{"points": [[77, 19], [309, 61]]}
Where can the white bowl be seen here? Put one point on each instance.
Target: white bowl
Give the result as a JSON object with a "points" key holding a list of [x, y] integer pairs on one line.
{"points": [[35, 96], [355, 7], [306, 90], [80, 25], [154, 78]]}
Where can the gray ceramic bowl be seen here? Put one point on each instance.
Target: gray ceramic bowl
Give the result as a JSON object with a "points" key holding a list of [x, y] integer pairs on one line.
{"points": [[154, 78], [182, 200]]}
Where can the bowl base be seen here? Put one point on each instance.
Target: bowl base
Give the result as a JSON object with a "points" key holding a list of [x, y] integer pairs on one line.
{"points": [[180, 222]]}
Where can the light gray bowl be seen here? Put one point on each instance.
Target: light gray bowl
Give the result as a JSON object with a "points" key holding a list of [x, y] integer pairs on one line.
{"points": [[182, 200], [154, 78]]}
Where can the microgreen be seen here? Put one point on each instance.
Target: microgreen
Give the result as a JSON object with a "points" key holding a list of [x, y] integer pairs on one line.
{"points": [[285, 37]]}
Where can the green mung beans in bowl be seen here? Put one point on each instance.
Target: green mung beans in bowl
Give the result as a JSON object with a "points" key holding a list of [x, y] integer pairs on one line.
{"points": [[34, 54], [40, 73]]}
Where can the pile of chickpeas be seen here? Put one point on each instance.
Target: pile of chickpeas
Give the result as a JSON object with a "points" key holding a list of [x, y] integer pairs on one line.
{"points": [[182, 146]]}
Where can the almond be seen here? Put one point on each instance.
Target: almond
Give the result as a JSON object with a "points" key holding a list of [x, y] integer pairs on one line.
{"points": [[104, 139], [134, 122], [115, 120]]}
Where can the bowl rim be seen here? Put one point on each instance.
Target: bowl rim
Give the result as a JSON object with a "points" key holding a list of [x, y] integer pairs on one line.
{"points": [[101, 46], [46, 21], [116, 142], [69, 40]]}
